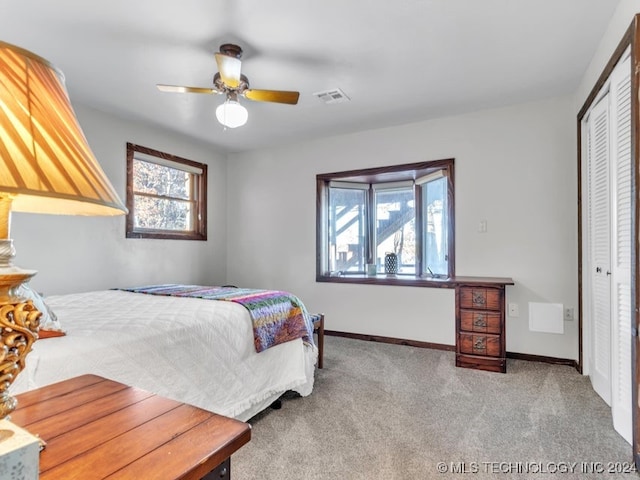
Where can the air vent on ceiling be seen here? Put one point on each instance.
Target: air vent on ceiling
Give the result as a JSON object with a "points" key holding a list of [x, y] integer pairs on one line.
{"points": [[332, 96]]}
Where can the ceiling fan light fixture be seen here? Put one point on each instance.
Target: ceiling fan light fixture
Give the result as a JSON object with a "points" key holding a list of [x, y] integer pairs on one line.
{"points": [[231, 114]]}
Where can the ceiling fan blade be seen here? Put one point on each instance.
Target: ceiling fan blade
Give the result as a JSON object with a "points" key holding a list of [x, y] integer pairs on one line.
{"points": [[277, 96], [229, 68], [182, 89]]}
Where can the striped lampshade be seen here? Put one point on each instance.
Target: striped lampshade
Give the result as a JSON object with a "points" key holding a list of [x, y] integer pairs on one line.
{"points": [[46, 165]]}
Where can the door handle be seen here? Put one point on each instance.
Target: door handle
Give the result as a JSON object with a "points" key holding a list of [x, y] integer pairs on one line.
{"points": [[608, 272]]}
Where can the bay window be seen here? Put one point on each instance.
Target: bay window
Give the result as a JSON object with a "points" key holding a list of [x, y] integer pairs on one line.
{"points": [[404, 209]]}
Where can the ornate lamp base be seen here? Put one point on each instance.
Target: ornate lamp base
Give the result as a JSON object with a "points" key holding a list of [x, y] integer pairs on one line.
{"points": [[19, 323], [19, 320], [7, 404]]}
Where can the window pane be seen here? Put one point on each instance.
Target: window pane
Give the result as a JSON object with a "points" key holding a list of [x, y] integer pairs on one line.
{"points": [[395, 228], [161, 180], [434, 198], [347, 230], [162, 214]]}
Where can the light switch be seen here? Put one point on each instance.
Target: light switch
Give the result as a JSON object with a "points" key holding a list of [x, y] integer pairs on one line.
{"points": [[482, 226]]}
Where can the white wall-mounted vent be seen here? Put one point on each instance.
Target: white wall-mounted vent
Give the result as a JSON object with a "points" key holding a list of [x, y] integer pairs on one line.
{"points": [[546, 317], [334, 95]]}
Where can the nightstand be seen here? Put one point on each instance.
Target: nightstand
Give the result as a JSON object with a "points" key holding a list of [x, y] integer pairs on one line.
{"points": [[480, 323]]}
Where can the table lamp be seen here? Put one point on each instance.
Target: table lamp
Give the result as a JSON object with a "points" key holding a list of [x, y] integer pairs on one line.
{"points": [[46, 166]]}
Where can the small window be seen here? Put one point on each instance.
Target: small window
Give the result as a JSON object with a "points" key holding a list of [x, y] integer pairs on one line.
{"points": [[166, 195], [395, 229], [403, 209], [435, 212], [346, 228]]}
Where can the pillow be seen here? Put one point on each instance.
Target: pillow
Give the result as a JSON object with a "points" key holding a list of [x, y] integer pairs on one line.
{"points": [[49, 323]]}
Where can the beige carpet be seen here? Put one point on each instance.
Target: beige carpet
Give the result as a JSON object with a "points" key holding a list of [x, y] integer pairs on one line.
{"points": [[383, 411]]}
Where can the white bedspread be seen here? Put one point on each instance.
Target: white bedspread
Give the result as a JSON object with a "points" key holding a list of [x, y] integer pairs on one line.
{"points": [[192, 350]]}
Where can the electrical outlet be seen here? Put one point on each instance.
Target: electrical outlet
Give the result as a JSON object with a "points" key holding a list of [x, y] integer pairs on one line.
{"points": [[568, 314], [514, 310], [482, 226]]}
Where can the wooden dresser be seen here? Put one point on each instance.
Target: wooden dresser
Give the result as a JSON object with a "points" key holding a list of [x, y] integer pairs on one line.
{"points": [[480, 323]]}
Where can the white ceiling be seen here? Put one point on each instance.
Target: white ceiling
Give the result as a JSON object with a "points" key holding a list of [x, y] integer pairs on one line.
{"points": [[400, 61]]}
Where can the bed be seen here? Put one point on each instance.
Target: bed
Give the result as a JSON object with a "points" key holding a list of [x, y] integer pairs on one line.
{"points": [[193, 350]]}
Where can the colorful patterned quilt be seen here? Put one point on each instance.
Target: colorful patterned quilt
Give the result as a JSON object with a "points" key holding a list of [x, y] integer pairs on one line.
{"points": [[277, 316]]}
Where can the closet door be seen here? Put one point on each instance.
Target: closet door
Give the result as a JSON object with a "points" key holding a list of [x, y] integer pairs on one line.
{"points": [[621, 312], [600, 244]]}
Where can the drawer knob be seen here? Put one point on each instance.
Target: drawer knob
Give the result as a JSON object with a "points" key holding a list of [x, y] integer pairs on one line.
{"points": [[479, 343], [478, 298], [480, 321]]}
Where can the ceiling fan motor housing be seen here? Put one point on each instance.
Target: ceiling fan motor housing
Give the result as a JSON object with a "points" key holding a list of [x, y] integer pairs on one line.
{"points": [[231, 50], [221, 86]]}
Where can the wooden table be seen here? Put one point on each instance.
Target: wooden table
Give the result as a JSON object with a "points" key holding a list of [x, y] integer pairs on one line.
{"points": [[97, 428]]}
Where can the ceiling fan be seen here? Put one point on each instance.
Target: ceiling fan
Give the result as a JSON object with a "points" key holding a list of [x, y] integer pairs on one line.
{"points": [[230, 82]]}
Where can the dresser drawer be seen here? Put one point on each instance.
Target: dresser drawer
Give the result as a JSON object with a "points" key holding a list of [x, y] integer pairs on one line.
{"points": [[484, 322], [477, 344], [480, 298]]}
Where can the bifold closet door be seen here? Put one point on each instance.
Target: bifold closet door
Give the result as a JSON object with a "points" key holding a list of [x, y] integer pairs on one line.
{"points": [[609, 132], [621, 294], [609, 171], [598, 154]]}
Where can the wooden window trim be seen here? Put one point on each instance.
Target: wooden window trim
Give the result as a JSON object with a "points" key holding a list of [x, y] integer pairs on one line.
{"points": [[200, 200]]}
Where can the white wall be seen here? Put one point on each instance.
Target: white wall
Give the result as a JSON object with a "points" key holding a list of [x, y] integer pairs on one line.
{"points": [[618, 25], [74, 254], [515, 167]]}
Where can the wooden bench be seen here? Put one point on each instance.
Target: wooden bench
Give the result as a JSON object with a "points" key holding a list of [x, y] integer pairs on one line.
{"points": [[318, 329]]}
